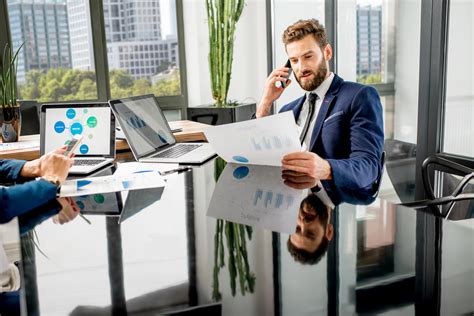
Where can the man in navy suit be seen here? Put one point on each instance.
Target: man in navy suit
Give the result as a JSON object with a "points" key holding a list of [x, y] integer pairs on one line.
{"points": [[341, 122]]}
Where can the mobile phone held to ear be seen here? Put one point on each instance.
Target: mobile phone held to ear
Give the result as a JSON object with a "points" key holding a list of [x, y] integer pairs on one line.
{"points": [[72, 145], [287, 65]]}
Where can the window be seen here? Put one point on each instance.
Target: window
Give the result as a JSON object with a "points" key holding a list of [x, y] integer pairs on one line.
{"points": [[51, 65]]}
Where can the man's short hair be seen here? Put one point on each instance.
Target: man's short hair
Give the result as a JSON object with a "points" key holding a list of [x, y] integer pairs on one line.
{"points": [[302, 256], [301, 28]]}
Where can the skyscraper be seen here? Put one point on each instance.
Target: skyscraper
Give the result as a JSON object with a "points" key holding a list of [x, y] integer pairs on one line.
{"points": [[369, 40], [43, 28], [133, 33]]}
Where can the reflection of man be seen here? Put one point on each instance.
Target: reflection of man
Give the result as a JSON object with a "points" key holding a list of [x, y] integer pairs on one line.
{"points": [[340, 121], [313, 231]]}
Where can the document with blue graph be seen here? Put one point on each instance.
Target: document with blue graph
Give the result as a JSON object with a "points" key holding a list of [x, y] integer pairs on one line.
{"points": [[106, 184], [256, 195], [262, 141]]}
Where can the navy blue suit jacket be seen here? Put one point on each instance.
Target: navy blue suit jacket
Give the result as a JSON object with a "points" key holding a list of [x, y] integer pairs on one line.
{"points": [[348, 133], [32, 202]]}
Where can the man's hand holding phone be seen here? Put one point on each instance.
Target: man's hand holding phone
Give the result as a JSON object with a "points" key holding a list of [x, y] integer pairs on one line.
{"points": [[276, 83]]}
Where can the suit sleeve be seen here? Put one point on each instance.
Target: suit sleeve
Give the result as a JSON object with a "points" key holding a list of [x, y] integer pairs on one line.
{"points": [[30, 219], [366, 134], [10, 169], [21, 198]]}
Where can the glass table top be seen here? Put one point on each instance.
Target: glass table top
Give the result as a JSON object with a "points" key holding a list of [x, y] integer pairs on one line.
{"points": [[238, 240]]}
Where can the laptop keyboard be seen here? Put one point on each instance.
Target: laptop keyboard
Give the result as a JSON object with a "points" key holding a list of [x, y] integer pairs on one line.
{"points": [[177, 151], [87, 162]]}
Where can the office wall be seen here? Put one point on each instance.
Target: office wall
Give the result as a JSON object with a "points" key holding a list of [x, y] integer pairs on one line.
{"points": [[249, 69]]}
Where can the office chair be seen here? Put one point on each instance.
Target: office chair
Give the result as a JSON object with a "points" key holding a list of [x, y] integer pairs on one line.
{"points": [[450, 200]]}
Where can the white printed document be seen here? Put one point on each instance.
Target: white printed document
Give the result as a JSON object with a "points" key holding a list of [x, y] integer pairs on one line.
{"points": [[20, 145], [94, 185], [256, 196], [262, 141]]}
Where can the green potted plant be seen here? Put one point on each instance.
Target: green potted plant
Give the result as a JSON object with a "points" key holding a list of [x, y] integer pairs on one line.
{"points": [[222, 17], [11, 122], [236, 236]]}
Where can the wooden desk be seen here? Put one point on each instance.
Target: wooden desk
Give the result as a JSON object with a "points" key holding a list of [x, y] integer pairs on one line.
{"points": [[192, 131]]}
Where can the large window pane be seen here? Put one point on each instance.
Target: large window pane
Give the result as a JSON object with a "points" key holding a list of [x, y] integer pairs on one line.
{"points": [[286, 13], [375, 46], [142, 47], [459, 114], [457, 276], [49, 65]]}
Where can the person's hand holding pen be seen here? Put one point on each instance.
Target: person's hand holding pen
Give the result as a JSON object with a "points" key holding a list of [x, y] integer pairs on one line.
{"points": [[69, 211]]}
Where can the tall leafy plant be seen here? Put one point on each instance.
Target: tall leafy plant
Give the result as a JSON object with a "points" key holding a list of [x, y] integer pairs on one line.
{"points": [[8, 88], [222, 16], [236, 236]]}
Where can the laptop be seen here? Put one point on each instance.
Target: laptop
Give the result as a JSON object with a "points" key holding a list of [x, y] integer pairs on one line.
{"points": [[95, 121], [149, 135]]}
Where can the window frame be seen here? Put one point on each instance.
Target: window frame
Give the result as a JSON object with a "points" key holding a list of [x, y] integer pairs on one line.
{"points": [[175, 102]]}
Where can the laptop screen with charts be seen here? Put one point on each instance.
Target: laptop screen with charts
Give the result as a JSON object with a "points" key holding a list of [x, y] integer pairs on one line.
{"points": [[94, 121], [149, 135]]}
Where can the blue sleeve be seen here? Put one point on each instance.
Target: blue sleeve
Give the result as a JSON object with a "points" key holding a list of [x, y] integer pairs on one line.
{"points": [[21, 198], [10, 169], [363, 166], [29, 220]]}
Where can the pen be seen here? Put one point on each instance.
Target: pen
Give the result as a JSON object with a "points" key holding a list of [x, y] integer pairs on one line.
{"points": [[177, 170], [84, 218]]}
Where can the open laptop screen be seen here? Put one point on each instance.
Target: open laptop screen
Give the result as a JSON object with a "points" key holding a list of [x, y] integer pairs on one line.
{"points": [[95, 122], [143, 123]]}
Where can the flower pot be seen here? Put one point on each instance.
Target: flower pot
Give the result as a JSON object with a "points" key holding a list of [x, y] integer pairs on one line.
{"points": [[11, 124], [209, 114]]}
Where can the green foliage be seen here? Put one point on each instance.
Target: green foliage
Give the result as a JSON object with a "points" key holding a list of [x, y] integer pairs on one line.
{"points": [[8, 71], [60, 84], [236, 236], [370, 79], [222, 16]]}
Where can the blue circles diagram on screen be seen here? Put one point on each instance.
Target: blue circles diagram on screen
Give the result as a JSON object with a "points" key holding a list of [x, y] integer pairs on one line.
{"points": [[77, 122], [59, 127], [70, 114], [76, 128], [84, 149]]}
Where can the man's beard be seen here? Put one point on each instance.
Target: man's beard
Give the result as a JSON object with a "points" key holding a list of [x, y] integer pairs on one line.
{"points": [[318, 77]]}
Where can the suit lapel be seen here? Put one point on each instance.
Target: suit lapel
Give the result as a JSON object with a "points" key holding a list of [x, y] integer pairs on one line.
{"points": [[297, 109], [327, 104]]}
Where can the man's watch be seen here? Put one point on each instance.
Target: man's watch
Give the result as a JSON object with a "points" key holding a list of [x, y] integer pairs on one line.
{"points": [[54, 180]]}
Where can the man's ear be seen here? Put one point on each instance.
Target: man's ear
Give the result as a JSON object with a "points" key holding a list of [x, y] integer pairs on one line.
{"points": [[330, 232], [328, 52]]}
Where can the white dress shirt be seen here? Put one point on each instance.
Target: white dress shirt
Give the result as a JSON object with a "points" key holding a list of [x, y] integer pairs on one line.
{"points": [[321, 92]]}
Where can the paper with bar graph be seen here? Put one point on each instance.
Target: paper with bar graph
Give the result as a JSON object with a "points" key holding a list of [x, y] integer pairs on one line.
{"points": [[94, 185], [262, 141]]}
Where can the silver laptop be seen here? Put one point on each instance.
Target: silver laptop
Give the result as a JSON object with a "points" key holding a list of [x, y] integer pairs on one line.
{"points": [[95, 121], [149, 135]]}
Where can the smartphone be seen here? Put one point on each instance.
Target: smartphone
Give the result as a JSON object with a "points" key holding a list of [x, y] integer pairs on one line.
{"points": [[288, 65], [72, 145]]}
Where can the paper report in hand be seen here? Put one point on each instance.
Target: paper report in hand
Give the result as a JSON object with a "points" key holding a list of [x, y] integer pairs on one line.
{"points": [[262, 141]]}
